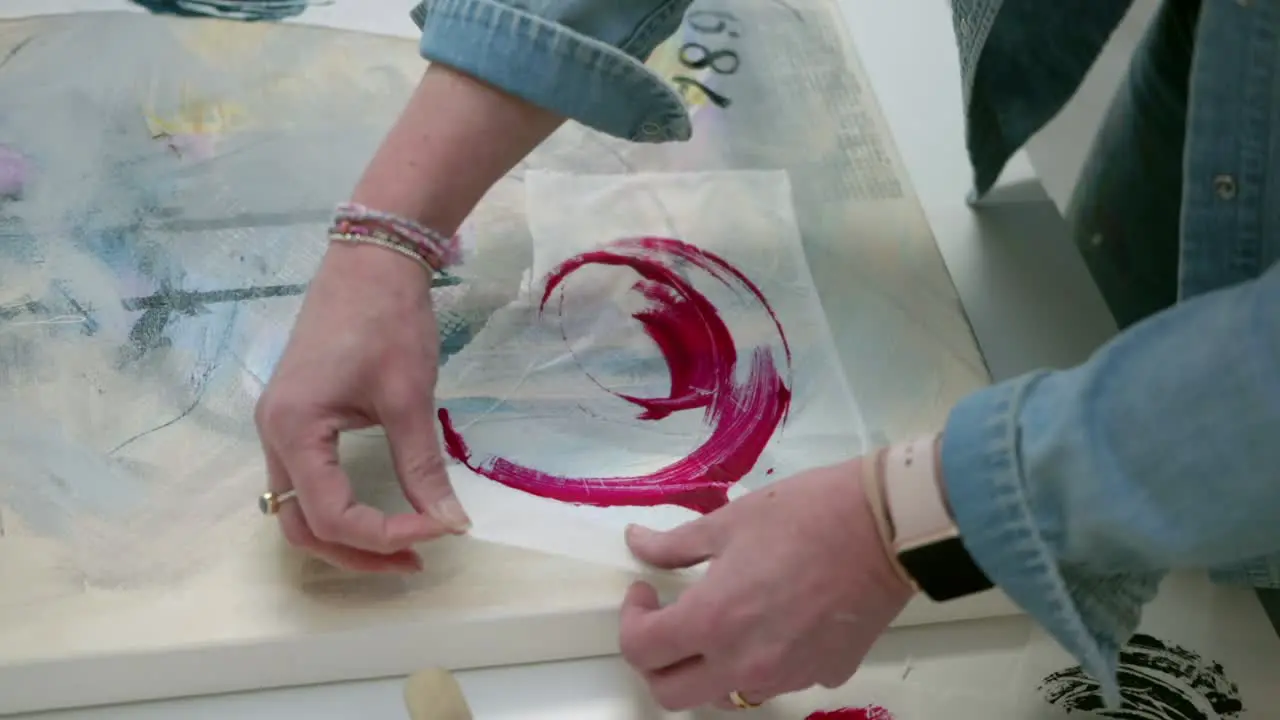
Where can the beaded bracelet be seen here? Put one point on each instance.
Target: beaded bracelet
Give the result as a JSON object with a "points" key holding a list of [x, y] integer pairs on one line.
{"points": [[387, 241], [433, 247], [355, 229]]}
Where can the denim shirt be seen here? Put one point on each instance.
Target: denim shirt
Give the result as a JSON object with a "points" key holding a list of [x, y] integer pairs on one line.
{"points": [[1075, 490]]}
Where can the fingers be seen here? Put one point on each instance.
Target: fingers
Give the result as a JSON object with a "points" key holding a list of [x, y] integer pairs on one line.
{"points": [[325, 497], [409, 422], [690, 684], [652, 637], [335, 517], [695, 682], [684, 546], [293, 525]]}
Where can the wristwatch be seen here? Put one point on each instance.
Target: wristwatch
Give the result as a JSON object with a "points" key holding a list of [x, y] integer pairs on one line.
{"points": [[922, 535]]}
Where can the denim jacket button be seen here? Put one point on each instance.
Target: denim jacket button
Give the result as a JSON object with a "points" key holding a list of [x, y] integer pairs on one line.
{"points": [[1225, 186]]}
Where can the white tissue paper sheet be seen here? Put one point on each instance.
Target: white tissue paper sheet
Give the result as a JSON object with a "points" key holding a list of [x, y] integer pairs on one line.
{"points": [[576, 402]]}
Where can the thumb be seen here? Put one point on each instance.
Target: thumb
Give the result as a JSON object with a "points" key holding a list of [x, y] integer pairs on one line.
{"points": [[681, 547], [419, 463]]}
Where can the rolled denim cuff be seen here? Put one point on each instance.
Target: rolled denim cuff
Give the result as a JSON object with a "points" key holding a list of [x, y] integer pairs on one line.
{"points": [[560, 69], [1092, 617]]}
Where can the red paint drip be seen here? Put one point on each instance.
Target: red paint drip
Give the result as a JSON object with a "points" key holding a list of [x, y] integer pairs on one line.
{"points": [[871, 712], [702, 360]]}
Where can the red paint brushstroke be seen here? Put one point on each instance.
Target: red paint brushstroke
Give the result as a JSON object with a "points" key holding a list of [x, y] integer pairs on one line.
{"points": [[702, 360], [871, 712]]}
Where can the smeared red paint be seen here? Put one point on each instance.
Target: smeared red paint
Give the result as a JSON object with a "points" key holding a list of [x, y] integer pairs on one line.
{"points": [[871, 712], [742, 414]]}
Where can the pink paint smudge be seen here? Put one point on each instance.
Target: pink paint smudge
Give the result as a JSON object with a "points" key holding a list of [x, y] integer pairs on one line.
{"points": [[741, 413], [14, 171], [194, 146], [870, 712]]}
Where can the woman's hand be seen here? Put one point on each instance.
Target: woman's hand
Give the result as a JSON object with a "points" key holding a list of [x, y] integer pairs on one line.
{"points": [[798, 588], [364, 352], [365, 348]]}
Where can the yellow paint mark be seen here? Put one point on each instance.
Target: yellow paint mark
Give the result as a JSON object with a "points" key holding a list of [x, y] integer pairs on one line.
{"points": [[195, 115], [665, 61], [219, 44], [264, 98]]}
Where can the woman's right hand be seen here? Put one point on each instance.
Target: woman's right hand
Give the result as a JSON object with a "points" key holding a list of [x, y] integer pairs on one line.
{"points": [[363, 352]]}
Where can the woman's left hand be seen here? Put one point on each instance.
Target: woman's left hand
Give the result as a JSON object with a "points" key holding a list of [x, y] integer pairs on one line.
{"points": [[798, 588]]}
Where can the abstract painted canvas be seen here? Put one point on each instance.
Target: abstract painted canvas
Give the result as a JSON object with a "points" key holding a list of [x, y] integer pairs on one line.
{"points": [[667, 352]]}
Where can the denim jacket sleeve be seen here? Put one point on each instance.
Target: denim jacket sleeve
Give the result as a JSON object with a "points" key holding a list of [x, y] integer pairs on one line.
{"points": [[583, 59], [1077, 490]]}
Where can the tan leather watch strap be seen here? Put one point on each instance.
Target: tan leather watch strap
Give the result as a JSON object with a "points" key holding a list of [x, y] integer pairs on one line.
{"points": [[917, 510], [924, 538], [873, 489]]}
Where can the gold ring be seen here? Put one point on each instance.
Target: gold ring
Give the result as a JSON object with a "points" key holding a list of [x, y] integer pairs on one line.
{"points": [[269, 502], [742, 703]]}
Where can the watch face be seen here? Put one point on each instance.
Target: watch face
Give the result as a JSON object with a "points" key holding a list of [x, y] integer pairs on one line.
{"points": [[944, 570]]}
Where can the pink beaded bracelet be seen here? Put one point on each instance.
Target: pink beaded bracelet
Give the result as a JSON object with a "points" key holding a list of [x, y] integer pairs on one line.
{"points": [[357, 223]]}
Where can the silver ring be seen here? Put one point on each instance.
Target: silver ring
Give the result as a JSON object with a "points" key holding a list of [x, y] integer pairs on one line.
{"points": [[742, 703], [269, 502]]}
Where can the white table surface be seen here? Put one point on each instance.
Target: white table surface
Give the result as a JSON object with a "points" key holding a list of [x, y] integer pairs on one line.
{"points": [[1026, 292]]}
